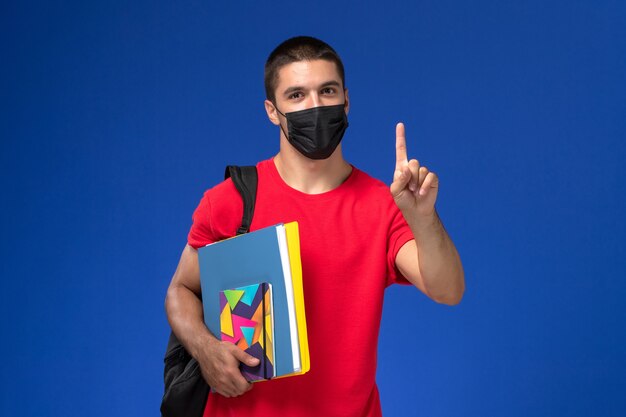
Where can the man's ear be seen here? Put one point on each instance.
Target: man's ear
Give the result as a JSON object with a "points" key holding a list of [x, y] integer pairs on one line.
{"points": [[347, 105], [272, 114]]}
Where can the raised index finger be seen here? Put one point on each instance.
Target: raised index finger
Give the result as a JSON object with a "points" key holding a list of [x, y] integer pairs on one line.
{"points": [[401, 156]]}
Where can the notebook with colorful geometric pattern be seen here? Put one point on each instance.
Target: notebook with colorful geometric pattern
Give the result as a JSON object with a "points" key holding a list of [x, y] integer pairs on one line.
{"points": [[246, 319]]}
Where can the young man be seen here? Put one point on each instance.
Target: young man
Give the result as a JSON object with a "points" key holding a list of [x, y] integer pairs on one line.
{"points": [[358, 236]]}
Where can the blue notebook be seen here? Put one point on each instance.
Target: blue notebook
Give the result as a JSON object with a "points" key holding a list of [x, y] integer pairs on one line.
{"points": [[249, 259]]}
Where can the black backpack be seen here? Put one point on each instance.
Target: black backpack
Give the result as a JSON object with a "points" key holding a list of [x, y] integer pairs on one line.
{"points": [[186, 391]]}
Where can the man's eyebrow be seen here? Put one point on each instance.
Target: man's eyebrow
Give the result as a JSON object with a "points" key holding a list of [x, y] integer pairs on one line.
{"points": [[331, 83], [292, 89], [299, 88]]}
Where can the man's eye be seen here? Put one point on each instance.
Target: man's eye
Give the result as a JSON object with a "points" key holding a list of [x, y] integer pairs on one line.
{"points": [[328, 90], [295, 95]]}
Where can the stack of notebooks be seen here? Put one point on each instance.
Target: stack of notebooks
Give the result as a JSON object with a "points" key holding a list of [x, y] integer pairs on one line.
{"points": [[253, 297]]}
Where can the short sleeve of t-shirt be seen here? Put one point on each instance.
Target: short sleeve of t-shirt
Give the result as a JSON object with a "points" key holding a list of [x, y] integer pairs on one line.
{"points": [[221, 202], [201, 233], [399, 234]]}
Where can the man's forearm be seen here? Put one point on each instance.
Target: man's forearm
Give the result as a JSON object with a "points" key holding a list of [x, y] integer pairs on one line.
{"points": [[185, 315], [439, 262]]}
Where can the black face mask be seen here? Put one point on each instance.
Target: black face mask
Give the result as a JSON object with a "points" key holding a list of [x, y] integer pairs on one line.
{"points": [[316, 132]]}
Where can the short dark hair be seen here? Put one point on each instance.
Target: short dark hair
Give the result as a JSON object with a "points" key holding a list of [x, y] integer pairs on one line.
{"points": [[299, 48]]}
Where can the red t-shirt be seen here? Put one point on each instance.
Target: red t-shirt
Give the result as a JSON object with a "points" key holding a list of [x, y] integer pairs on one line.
{"points": [[350, 237]]}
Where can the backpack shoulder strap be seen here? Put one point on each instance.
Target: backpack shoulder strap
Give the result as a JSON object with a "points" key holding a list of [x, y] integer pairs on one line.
{"points": [[245, 179]]}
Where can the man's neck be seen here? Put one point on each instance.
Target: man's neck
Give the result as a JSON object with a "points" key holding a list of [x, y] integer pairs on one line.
{"points": [[311, 176]]}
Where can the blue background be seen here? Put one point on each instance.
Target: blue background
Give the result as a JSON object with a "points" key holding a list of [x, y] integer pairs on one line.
{"points": [[116, 116]]}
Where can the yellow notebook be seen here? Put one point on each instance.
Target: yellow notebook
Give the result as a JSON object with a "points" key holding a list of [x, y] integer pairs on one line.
{"points": [[295, 263], [293, 243]]}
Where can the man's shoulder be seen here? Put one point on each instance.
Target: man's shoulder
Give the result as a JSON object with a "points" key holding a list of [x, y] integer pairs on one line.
{"points": [[364, 181], [226, 188], [218, 192]]}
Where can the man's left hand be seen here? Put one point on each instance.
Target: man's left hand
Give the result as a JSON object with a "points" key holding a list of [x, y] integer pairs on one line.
{"points": [[414, 188]]}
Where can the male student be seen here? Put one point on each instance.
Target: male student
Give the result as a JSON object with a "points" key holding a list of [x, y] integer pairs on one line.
{"points": [[358, 236]]}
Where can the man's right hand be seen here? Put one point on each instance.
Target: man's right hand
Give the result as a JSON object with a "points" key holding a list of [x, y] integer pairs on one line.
{"points": [[220, 368]]}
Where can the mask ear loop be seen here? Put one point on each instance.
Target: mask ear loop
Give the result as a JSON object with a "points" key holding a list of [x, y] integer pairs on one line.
{"points": [[279, 123]]}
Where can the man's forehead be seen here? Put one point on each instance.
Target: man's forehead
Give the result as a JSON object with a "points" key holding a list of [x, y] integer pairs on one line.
{"points": [[307, 73]]}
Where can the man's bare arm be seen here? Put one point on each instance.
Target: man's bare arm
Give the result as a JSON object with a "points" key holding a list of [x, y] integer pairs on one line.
{"points": [[219, 361], [430, 261]]}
